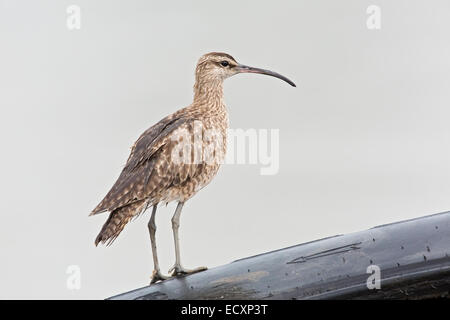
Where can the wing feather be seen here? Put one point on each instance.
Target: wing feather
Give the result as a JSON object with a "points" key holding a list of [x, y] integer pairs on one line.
{"points": [[149, 166]]}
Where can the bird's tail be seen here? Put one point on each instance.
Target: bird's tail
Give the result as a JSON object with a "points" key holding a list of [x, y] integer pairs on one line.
{"points": [[117, 220]]}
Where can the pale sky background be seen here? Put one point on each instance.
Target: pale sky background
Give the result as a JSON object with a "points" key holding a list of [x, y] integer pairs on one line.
{"points": [[364, 138]]}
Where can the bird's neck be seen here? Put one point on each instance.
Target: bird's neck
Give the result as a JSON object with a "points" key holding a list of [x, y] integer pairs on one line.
{"points": [[207, 92]]}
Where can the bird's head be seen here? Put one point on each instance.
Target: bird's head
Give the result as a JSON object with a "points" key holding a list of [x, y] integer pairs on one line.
{"points": [[217, 66]]}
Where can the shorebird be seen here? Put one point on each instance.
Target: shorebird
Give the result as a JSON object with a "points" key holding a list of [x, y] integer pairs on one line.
{"points": [[168, 162]]}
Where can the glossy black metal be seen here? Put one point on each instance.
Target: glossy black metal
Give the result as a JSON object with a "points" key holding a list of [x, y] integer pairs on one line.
{"points": [[413, 258]]}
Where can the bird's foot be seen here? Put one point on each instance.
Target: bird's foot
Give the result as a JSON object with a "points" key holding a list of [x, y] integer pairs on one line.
{"points": [[158, 276], [178, 270]]}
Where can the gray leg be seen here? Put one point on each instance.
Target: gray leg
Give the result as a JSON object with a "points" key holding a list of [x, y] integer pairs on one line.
{"points": [[156, 274], [178, 268]]}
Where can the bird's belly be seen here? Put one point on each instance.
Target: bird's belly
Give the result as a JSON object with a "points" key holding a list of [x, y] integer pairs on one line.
{"points": [[190, 187], [193, 162]]}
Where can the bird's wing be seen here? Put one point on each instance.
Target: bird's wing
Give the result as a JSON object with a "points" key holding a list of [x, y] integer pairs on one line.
{"points": [[149, 165]]}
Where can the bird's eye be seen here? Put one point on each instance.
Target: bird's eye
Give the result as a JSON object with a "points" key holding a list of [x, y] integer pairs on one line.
{"points": [[224, 63]]}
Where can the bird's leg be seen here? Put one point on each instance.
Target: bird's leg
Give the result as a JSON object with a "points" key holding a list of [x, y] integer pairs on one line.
{"points": [[178, 269], [156, 274]]}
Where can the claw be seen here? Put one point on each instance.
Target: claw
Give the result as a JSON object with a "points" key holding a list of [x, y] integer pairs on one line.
{"points": [[158, 276], [177, 270]]}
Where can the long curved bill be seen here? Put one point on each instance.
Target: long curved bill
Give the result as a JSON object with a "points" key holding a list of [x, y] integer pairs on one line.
{"points": [[246, 69]]}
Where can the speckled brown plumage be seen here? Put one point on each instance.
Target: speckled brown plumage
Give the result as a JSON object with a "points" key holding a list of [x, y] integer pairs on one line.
{"points": [[149, 176], [154, 172]]}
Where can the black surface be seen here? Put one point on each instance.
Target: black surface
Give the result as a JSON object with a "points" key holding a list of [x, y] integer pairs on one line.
{"points": [[413, 257]]}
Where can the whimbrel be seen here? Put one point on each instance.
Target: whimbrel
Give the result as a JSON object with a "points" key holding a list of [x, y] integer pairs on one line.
{"points": [[168, 164]]}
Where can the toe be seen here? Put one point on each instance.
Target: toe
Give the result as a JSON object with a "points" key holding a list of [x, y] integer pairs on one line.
{"points": [[158, 276]]}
